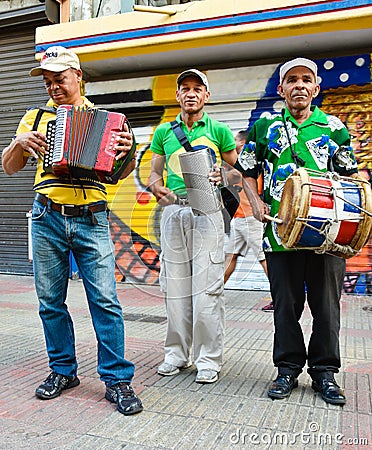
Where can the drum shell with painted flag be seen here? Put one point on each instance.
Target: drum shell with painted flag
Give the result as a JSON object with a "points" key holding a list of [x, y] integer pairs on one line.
{"points": [[325, 212]]}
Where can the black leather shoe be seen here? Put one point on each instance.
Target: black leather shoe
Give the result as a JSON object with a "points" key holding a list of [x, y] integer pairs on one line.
{"points": [[282, 386], [123, 395], [54, 385], [329, 390]]}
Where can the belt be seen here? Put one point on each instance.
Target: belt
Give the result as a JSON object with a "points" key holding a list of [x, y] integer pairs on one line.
{"points": [[71, 210], [182, 201]]}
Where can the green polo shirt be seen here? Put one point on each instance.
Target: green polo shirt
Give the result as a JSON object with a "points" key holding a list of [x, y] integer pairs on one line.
{"points": [[206, 132], [317, 141]]}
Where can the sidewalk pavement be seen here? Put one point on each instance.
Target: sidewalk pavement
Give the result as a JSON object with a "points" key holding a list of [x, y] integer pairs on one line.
{"points": [[179, 414]]}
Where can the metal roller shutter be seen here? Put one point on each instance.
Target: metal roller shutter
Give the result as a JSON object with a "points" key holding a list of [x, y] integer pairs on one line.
{"points": [[19, 91]]}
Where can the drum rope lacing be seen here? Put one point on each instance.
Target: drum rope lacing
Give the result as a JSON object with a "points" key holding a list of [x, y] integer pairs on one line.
{"points": [[329, 245]]}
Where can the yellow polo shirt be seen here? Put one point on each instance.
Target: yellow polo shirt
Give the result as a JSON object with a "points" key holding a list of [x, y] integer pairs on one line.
{"points": [[60, 190]]}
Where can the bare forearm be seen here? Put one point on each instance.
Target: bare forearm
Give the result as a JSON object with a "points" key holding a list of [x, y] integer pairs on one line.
{"points": [[233, 176], [259, 208], [13, 158], [251, 189], [29, 143], [164, 196], [155, 181]]}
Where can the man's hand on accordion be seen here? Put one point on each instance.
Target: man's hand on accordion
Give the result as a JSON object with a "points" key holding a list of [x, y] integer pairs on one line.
{"points": [[124, 142], [32, 142]]}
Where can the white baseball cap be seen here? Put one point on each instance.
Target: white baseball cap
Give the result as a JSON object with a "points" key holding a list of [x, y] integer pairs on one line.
{"points": [[193, 73], [295, 63], [56, 59]]}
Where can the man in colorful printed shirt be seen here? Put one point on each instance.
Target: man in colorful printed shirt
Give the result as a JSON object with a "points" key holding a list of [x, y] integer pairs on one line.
{"points": [[192, 256], [302, 136], [71, 215]]}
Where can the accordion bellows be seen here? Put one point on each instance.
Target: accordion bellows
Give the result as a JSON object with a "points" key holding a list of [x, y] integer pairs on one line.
{"points": [[81, 144]]}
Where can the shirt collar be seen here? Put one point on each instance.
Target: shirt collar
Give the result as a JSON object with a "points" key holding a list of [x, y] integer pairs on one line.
{"points": [[86, 104], [317, 116], [202, 121]]}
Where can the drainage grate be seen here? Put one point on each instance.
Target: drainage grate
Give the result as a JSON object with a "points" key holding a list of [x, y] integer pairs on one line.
{"points": [[134, 317]]}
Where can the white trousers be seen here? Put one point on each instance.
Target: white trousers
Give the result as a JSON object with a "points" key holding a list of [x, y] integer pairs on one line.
{"points": [[192, 271]]}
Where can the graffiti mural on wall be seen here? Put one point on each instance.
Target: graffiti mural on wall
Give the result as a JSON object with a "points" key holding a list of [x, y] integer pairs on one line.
{"points": [[346, 92], [354, 107], [135, 218]]}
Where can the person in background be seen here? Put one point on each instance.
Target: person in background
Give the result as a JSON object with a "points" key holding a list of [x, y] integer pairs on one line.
{"points": [[71, 215], [301, 136], [192, 257], [245, 231]]}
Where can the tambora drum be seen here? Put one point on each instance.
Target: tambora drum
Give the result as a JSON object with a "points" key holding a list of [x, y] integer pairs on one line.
{"points": [[325, 212]]}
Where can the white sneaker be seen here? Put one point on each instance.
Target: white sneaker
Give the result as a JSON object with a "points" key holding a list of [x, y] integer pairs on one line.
{"points": [[206, 376], [167, 369]]}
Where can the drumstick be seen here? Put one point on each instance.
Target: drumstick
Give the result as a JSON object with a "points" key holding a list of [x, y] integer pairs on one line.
{"points": [[273, 219]]}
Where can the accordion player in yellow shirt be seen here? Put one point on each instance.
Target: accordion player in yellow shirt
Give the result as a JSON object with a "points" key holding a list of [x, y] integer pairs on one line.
{"points": [[71, 215]]}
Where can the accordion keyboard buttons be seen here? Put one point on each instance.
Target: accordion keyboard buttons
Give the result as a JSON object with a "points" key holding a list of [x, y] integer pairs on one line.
{"points": [[50, 136]]}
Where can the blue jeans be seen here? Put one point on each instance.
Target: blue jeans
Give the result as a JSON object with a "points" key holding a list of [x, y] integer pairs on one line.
{"points": [[53, 237]]}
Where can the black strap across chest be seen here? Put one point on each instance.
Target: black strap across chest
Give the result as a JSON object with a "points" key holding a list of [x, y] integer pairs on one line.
{"points": [[181, 136], [40, 112]]}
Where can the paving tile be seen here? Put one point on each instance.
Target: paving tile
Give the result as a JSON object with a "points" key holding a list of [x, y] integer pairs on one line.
{"points": [[179, 414]]}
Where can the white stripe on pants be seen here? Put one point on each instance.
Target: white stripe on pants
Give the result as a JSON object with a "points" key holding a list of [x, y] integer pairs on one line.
{"points": [[192, 270]]}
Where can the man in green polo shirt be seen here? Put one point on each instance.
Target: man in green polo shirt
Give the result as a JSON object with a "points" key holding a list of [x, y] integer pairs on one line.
{"points": [[192, 269], [301, 136]]}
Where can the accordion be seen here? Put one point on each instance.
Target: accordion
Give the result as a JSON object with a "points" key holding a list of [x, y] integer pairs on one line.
{"points": [[81, 144]]}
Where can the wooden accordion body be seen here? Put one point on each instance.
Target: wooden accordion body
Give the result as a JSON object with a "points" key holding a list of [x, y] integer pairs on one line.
{"points": [[81, 144]]}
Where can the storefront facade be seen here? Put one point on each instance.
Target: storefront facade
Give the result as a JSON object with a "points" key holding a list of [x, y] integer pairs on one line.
{"points": [[131, 61]]}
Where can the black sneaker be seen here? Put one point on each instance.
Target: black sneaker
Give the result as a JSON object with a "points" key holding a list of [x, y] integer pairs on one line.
{"points": [[123, 395], [54, 385]]}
